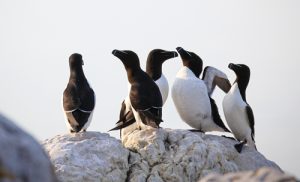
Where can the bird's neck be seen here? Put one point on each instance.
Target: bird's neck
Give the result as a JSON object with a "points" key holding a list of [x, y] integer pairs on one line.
{"points": [[77, 73], [185, 72], [242, 84], [153, 70], [132, 74]]}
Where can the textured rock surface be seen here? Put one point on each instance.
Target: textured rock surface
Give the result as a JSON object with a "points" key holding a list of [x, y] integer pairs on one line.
{"points": [[149, 155], [263, 174], [180, 155], [88, 156], [21, 157]]}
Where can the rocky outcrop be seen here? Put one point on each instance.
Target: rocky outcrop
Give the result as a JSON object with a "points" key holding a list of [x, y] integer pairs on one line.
{"points": [[181, 155], [88, 156], [149, 155], [263, 174], [21, 157]]}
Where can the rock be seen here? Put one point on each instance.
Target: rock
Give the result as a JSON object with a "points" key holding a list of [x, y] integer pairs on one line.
{"points": [[149, 155], [181, 155], [88, 156], [263, 174], [21, 156]]}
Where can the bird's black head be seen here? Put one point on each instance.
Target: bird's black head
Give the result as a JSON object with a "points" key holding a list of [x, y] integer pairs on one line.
{"points": [[75, 61], [159, 56], [242, 72], [191, 60], [128, 58], [155, 59]]}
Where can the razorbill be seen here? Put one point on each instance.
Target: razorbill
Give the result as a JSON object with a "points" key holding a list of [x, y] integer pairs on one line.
{"points": [[78, 97], [191, 97], [155, 60], [237, 111], [144, 95]]}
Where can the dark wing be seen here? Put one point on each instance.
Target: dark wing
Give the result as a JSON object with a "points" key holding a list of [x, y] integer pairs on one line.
{"points": [[151, 117], [125, 119], [71, 98], [212, 77], [216, 116], [251, 120], [223, 83], [139, 98], [147, 101], [123, 124], [87, 98], [78, 98], [122, 112], [145, 96]]}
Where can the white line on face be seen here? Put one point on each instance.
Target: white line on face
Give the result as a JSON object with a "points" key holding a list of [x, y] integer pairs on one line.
{"points": [[188, 53], [124, 52], [179, 49]]}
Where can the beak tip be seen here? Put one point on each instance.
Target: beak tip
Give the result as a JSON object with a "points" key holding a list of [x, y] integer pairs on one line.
{"points": [[175, 54], [178, 48], [114, 51]]}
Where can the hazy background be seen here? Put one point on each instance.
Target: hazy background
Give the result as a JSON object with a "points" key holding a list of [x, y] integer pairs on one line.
{"points": [[37, 37]]}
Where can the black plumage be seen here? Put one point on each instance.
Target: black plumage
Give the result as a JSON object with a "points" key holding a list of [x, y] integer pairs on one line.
{"points": [[78, 97]]}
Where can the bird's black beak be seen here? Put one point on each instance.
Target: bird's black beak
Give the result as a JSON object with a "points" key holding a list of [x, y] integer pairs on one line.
{"points": [[175, 54], [179, 49], [115, 52], [183, 53], [119, 54], [231, 65], [170, 54]]}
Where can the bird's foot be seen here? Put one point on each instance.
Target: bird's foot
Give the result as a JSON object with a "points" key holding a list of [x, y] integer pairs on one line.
{"points": [[72, 131], [240, 145]]}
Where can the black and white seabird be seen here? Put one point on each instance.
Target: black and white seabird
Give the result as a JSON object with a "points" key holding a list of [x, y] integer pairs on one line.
{"points": [[155, 59], [191, 95], [237, 111], [78, 97], [144, 95]]}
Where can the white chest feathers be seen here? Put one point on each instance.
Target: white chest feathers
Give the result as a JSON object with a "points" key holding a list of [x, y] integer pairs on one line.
{"points": [[190, 97], [163, 86], [235, 113]]}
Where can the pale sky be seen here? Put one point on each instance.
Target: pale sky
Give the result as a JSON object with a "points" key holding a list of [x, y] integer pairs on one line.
{"points": [[37, 37]]}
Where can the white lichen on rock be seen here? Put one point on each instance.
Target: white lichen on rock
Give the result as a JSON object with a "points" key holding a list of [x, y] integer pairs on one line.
{"points": [[149, 155], [88, 156], [181, 155]]}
